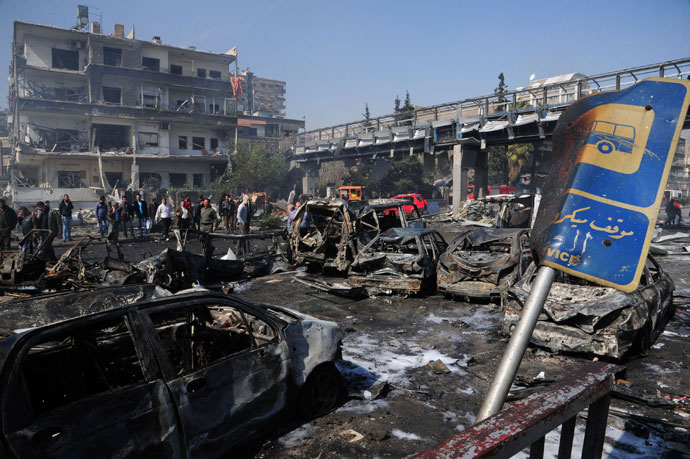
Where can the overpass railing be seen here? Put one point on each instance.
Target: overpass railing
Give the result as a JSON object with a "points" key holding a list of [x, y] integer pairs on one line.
{"points": [[548, 95]]}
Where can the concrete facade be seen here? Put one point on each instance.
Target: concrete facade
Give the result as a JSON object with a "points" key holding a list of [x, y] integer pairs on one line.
{"points": [[159, 116]]}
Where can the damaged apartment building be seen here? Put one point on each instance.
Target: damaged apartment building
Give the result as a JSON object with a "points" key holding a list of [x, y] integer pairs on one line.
{"points": [[91, 111]]}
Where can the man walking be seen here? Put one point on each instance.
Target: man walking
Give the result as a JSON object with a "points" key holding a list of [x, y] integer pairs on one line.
{"points": [[66, 214], [126, 217], [207, 217], [102, 216], [41, 220], [8, 220], [141, 210]]}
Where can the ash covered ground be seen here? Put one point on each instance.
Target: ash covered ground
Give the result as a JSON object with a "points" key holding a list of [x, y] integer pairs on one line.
{"points": [[399, 404]]}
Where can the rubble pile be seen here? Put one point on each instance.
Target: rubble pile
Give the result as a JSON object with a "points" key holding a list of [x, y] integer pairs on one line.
{"points": [[476, 210]]}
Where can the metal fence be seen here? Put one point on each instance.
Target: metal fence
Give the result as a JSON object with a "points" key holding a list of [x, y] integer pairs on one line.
{"points": [[526, 423]]}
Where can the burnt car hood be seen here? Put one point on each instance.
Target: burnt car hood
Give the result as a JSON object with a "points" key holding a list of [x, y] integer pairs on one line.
{"points": [[583, 317], [483, 262]]}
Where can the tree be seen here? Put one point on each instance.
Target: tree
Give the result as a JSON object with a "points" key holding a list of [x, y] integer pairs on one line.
{"points": [[396, 109], [403, 176], [407, 110], [366, 115], [500, 91], [517, 156], [254, 169]]}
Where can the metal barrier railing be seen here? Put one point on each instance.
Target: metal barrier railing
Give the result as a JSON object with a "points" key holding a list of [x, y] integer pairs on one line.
{"points": [[526, 423]]}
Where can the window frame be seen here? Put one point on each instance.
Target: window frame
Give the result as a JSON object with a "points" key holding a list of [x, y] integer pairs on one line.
{"points": [[109, 89], [112, 52], [150, 67], [180, 142], [176, 67], [58, 56], [158, 347], [215, 74], [200, 73], [196, 144]]}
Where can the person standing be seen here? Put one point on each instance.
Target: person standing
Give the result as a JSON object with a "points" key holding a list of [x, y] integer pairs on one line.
{"points": [[223, 210], [207, 217], [182, 216], [8, 220], [291, 216], [115, 219], [243, 215], [102, 216], [26, 224], [197, 213], [126, 217], [163, 215], [141, 211], [66, 214], [41, 220], [153, 208]]}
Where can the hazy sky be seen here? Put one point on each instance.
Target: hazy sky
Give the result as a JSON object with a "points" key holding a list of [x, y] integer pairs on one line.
{"points": [[337, 56]]}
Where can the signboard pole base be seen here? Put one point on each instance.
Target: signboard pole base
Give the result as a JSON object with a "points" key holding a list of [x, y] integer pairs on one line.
{"points": [[518, 343]]}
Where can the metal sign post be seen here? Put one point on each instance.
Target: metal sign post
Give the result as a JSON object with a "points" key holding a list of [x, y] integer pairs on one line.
{"points": [[612, 153]]}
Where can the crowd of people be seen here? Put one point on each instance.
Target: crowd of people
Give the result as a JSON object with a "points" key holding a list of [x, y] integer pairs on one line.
{"points": [[120, 218]]}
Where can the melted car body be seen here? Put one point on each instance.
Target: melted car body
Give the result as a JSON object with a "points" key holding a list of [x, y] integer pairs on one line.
{"points": [[482, 263], [582, 317], [139, 372], [398, 259]]}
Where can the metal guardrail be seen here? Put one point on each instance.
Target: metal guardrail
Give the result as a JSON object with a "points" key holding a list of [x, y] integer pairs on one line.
{"points": [[526, 423], [543, 97]]}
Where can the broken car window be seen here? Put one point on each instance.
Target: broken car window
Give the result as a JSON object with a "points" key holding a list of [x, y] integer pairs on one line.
{"points": [[73, 365], [196, 337]]}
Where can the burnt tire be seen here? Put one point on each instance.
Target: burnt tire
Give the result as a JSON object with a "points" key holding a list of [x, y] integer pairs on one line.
{"points": [[321, 392]]}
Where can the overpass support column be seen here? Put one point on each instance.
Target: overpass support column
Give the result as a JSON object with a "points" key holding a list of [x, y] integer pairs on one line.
{"points": [[464, 157], [309, 180], [481, 174]]}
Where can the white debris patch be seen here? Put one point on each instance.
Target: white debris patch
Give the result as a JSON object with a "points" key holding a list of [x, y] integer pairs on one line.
{"points": [[363, 407], [391, 363], [397, 433]]}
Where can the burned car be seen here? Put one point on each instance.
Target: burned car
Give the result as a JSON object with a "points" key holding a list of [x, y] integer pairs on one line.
{"points": [[382, 214], [482, 263], [583, 317], [135, 371], [399, 259], [322, 233]]}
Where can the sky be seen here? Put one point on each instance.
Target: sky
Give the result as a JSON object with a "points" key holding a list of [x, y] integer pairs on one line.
{"points": [[338, 56]]}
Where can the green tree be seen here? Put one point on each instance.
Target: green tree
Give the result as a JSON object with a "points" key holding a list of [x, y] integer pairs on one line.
{"points": [[498, 165], [517, 155], [407, 110], [403, 176], [396, 107], [366, 115], [254, 169], [500, 91]]}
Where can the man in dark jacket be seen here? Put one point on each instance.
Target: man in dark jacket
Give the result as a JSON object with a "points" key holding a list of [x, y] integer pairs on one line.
{"points": [[102, 216], [197, 213], [141, 211], [8, 220], [66, 214], [42, 220], [126, 211]]}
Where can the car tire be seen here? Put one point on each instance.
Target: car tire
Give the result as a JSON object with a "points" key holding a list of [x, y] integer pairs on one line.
{"points": [[321, 392]]}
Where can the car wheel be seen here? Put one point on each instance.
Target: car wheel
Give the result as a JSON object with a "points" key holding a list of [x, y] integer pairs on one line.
{"points": [[605, 147], [321, 392]]}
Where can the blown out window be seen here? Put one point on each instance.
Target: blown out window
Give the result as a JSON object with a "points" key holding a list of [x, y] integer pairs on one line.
{"points": [[70, 366], [196, 337]]}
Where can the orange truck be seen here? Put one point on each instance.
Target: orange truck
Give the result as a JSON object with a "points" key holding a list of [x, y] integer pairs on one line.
{"points": [[351, 193]]}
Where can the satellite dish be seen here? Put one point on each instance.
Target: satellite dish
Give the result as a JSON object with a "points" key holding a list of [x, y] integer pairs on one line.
{"points": [[532, 77]]}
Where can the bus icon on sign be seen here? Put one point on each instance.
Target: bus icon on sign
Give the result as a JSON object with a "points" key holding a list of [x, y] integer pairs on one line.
{"points": [[610, 137], [616, 136]]}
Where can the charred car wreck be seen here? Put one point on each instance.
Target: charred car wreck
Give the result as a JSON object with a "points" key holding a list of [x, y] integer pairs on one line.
{"points": [[586, 318], [324, 232], [482, 263], [399, 260], [135, 371]]}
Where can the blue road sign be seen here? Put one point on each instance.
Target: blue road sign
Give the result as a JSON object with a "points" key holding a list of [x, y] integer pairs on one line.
{"points": [[614, 152]]}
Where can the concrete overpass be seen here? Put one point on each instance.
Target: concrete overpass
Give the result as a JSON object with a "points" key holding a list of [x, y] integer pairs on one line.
{"points": [[464, 129]]}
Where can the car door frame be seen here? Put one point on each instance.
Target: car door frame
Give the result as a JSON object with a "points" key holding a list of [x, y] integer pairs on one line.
{"points": [[150, 371], [171, 378]]}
